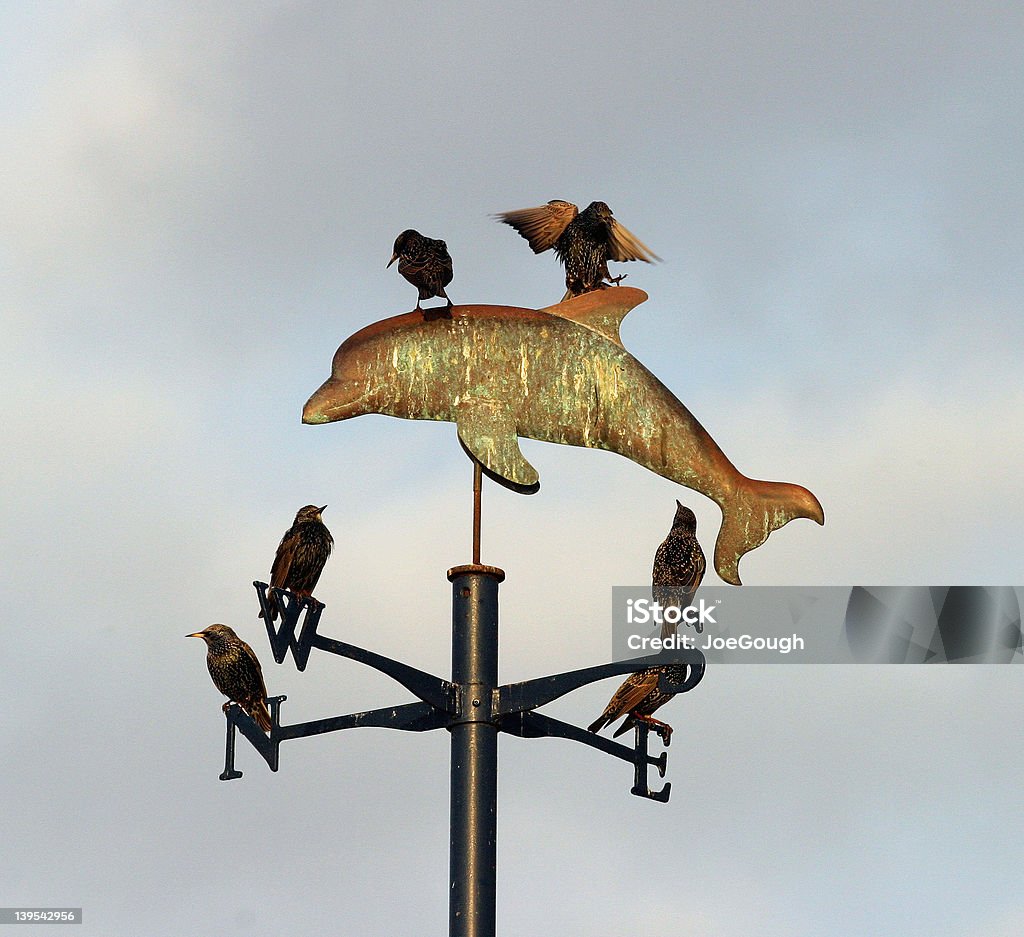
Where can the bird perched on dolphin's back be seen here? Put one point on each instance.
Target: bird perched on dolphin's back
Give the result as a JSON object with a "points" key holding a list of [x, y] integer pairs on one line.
{"points": [[583, 240], [679, 566], [236, 671], [425, 263], [301, 556]]}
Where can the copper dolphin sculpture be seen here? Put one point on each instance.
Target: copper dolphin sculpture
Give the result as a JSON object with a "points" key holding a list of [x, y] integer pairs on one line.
{"points": [[560, 375]]}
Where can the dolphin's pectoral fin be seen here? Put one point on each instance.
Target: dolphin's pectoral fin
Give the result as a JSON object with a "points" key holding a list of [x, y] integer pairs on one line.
{"points": [[488, 432]]}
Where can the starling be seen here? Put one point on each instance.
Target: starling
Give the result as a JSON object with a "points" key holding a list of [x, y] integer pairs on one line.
{"points": [[584, 240], [236, 671], [678, 570], [637, 698], [301, 555], [678, 567], [425, 263]]}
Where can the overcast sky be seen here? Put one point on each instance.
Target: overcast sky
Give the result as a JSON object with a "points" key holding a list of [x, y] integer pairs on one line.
{"points": [[198, 203]]}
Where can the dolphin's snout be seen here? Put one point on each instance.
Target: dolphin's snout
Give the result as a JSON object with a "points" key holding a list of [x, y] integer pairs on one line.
{"points": [[312, 414], [335, 400]]}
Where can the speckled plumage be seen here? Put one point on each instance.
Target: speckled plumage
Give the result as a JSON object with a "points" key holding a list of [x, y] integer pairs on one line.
{"points": [[583, 240], [425, 263], [236, 671], [679, 566], [301, 555], [678, 570], [637, 698]]}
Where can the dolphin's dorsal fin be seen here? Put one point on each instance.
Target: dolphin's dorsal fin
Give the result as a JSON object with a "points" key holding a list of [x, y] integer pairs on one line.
{"points": [[600, 310]]}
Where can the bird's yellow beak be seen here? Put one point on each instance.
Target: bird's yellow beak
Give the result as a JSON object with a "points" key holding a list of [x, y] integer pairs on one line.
{"points": [[394, 257], [198, 634]]}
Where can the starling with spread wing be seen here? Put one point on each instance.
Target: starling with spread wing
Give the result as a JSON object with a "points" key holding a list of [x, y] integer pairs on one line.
{"points": [[425, 263], [301, 556], [236, 671], [679, 567], [583, 240], [637, 698]]}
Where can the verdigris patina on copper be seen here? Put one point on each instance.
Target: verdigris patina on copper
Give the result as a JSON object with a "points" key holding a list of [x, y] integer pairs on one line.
{"points": [[559, 375]]}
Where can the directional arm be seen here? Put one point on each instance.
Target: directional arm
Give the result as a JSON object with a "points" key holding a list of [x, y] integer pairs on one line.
{"points": [[520, 697], [433, 690], [536, 725], [412, 717], [421, 684], [529, 725]]}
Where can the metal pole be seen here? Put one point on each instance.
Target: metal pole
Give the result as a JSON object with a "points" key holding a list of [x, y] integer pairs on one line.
{"points": [[477, 485], [474, 759]]}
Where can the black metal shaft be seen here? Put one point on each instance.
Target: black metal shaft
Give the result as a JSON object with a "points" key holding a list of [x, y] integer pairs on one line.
{"points": [[474, 759]]}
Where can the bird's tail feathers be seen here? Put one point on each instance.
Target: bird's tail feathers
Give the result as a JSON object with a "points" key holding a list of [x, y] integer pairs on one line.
{"points": [[627, 724], [261, 715], [598, 724], [272, 605]]}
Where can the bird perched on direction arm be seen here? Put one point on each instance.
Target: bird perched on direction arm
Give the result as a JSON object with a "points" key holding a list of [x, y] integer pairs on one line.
{"points": [[638, 698], [583, 240], [679, 566], [301, 556], [236, 671], [678, 570], [425, 263]]}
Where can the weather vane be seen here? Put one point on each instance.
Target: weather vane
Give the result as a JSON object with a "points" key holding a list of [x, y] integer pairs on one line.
{"points": [[559, 374]]}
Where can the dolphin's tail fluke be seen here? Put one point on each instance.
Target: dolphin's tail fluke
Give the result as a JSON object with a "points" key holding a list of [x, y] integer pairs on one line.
{"points": [[755, 510]]}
